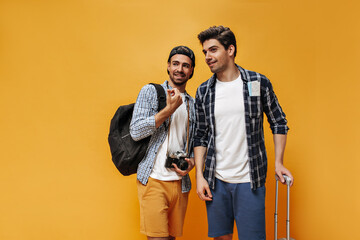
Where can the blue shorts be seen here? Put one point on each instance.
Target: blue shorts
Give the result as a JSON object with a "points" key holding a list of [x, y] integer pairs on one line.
{"points": [[236, 201]]}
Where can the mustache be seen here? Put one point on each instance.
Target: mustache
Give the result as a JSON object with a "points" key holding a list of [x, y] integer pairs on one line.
{"points": [[181, 73]]}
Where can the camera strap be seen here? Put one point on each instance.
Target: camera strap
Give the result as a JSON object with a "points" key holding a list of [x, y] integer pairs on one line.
{"points": [[187, 130]]}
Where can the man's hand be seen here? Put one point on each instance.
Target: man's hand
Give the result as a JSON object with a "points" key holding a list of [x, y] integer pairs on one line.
{"points": [[202, 186], [181, 172], [280, 170], [202, 189], [173, 100]]}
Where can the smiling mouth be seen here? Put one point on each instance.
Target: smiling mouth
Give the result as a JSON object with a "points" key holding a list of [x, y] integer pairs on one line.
{"points": [[210, 64], [179, 75]]}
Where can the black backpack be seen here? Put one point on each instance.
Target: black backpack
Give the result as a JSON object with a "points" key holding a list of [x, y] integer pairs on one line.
{"points": [[127, 153]]}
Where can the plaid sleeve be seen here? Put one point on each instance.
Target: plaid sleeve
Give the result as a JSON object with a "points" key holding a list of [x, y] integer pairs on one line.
{"points": [[200, 136], [143, 119], [275, 115], [192, 127]]}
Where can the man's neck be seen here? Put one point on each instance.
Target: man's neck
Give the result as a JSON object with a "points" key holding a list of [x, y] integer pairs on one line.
{"points": [[180, 88], [229, 74]]}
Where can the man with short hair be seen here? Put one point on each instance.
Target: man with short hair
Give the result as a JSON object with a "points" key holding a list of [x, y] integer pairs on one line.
{"points": [[229, 140], [163, 191]]}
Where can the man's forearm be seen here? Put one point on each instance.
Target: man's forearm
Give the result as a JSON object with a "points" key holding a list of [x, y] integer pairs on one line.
{"points": [[161, 116], [279, 146], [199, 155], [280, 170]]}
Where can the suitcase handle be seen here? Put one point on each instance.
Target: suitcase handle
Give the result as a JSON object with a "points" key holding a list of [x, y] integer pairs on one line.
{"points": [[287, 179], [288, 182]]}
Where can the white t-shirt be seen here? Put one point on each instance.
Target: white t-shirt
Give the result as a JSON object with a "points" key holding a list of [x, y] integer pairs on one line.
{"points": [[232, 163], [176, 142]]}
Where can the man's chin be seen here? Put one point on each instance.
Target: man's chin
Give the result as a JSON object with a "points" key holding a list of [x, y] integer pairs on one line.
{"points": [[214, 70], [179, 82]]}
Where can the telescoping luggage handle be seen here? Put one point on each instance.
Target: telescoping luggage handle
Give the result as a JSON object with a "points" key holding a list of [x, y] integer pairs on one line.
{"points": [[288, 182]]}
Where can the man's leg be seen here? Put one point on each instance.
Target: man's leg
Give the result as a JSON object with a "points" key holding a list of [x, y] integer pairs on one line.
{"points": [[249, 208], [226, 237], [153, 209], [177, 209], [220, 212], [160, 238], [162, 209]]}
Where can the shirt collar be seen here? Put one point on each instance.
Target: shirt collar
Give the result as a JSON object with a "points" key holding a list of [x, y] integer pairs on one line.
{"points": [[167, 86], [243, 74]]}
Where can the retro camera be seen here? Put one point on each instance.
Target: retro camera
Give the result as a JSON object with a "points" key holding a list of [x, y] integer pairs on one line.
{"points": [[179, 159]]}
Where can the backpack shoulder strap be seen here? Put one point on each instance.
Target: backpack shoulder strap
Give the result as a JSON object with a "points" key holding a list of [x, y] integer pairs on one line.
{"points": [[161, 95]]}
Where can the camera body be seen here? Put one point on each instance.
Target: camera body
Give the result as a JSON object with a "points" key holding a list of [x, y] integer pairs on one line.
{"points": [[179, 159]]}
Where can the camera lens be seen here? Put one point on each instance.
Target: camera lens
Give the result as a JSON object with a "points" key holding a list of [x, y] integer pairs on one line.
{"points": [[183, 165]]}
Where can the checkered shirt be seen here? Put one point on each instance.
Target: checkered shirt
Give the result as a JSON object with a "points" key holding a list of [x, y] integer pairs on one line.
{"points": [[143, 125], [255, 106]]}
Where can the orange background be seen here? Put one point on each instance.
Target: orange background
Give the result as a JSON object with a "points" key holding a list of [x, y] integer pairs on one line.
{"points": [[65, 66]]}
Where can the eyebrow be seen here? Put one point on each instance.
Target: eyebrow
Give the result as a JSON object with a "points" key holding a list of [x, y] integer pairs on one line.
{"points": [[184, 63], [213, 46]]}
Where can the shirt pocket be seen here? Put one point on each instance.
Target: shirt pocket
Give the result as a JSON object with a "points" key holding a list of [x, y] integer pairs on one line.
{"points": [[255, 108]]}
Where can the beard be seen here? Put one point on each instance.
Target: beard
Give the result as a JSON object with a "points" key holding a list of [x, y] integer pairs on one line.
{"points": [[178, 82]]}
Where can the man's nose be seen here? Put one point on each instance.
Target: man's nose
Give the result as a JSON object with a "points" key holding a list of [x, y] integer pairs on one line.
{"points": [[180, 68], [207, 56]]}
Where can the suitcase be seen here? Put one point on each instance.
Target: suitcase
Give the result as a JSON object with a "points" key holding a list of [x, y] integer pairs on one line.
{"points": [[288, 181]]}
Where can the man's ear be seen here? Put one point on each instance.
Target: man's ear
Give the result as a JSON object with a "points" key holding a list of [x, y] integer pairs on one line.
{"points": [[192, 71], [231, 50]]}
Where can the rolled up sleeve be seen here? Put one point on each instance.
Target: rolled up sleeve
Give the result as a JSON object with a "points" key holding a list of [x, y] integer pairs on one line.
{"points": [[275, 115]]}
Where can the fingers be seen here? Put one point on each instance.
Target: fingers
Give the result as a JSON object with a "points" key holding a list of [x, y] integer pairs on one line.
{"points": [[174, 99], [182, 173], [288, 173], [191, 163], [208, 194], [203, 190], [205, 196], [291, 177], [284, 171], [280, 176], [176, 91], [179, 171], [168, 97], [173, 92]]}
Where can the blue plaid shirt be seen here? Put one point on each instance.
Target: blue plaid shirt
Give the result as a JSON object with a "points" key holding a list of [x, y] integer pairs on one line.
{"points": [[255, 106], [143, 125]]}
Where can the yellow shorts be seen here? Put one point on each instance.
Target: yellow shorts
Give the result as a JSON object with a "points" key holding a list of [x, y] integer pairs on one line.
{"points": [[162, 208]]}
